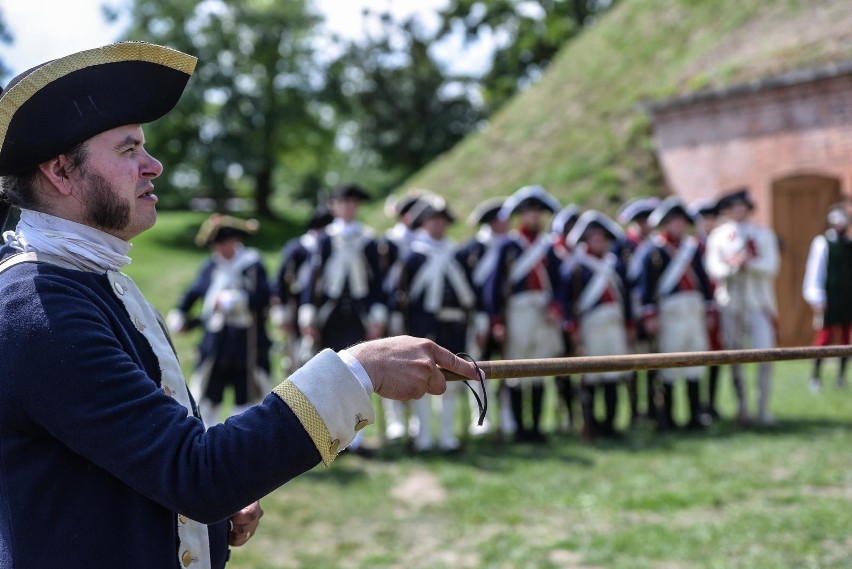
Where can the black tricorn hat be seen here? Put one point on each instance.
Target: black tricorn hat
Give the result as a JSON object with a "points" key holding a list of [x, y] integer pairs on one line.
{"points": [[320, 217], [431, 206], [739, 195], [353, 191], [52, 107]]}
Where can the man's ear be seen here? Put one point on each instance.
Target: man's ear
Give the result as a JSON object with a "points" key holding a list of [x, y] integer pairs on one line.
{"points": [[56, 173]]}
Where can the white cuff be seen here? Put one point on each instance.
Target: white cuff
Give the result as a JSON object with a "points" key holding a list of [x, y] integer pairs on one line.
{"points": [[336, 394], [356, 368]]}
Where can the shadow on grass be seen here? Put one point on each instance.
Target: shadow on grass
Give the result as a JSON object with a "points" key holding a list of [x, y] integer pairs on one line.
{"points": [[492, 454]]}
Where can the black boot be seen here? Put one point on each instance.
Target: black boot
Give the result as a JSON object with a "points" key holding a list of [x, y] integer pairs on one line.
{"points": [[566, 393], [695, 415], [587, 406], [664, 401], [712, 389], [535, 434], [516, 397], [611, 406]]}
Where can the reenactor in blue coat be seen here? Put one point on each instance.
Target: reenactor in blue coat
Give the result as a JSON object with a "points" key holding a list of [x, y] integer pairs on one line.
{"points": [[97, 417], [633, 217], [562, 224], [597, 307], [234, 294], [398, 240], [345, 303], [479, 255], [434, 298], [293, 276], [520, 299], [676, 299]]}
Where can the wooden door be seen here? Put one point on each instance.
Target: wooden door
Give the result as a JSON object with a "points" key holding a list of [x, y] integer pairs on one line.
{"points": [[799, 208]]}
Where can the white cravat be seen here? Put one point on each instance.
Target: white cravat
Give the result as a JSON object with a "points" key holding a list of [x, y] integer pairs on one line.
{"points": [[82, 246]]}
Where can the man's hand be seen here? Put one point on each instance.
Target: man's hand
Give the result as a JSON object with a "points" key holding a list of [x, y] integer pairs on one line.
{"points": [[404, 367], [244, 523]]}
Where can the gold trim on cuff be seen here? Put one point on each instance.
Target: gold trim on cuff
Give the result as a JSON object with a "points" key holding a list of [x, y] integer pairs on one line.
{"points": [[310, 419]]}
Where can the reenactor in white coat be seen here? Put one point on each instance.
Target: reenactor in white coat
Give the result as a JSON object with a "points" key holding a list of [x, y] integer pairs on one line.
{"points": [[742, 257]]}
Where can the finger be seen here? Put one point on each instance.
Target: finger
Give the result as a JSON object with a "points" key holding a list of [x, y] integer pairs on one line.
{"points": [[437, 383], [450, 362]]}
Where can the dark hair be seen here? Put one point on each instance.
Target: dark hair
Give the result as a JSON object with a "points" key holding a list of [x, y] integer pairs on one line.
{"points": [[19, 189]]}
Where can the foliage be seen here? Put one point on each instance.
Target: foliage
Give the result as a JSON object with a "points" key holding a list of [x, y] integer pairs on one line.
{"points": [[249, 121], [535, 30], [402, 107]]}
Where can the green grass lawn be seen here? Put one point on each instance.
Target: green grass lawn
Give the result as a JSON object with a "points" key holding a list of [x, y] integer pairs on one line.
{"points": [[729, 497]]}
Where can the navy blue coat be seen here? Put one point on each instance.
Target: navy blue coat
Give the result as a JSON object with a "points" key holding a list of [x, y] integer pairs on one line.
{"points": [[96, 459]]}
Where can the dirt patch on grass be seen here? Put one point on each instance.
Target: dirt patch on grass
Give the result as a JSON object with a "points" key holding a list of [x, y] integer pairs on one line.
{"points": [[418, 489]]}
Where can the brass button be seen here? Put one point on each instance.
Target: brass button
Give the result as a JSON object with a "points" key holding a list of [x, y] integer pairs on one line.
{"points": [[168, 390], [361, 424], [335, 445], [119, 289], [186, 558], [182, 519]]}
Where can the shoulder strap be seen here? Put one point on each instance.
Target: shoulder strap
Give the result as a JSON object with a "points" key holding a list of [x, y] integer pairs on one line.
{"points": [[33, 257]]}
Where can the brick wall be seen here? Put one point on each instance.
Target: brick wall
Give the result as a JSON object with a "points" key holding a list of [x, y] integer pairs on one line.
{"points": [[751, 139]]}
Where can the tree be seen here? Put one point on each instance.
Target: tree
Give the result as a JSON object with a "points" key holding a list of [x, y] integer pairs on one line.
{"points": [[250, 110], [7, 38], [400, 109], [535, 30]]}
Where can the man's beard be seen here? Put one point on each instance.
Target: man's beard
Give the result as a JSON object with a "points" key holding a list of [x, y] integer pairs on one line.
{"points": [[104, 209]]}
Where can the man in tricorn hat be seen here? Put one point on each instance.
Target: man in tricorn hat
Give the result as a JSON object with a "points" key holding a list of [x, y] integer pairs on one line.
{"points": [[434, 297], [676, 298], [233, 291], [520, 299], [290, 281], [96, 417], [743, 258], [596, 303]]}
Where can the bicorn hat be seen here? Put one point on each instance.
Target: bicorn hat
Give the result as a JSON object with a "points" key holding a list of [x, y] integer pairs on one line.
{"points": [[670, 206], [52, 107], [566, 216], [593, 219], [529, 197], [485, 211], [636, 208]]}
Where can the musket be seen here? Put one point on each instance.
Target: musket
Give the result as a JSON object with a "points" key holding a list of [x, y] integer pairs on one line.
{"points": [[504, 369]]}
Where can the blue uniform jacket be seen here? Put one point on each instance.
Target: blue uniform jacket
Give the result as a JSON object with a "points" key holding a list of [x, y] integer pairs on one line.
{"points": [[499, 286], [95, 459]]}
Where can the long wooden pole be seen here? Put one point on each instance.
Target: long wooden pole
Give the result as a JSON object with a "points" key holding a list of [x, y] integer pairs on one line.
{"points": [[503, 369]]}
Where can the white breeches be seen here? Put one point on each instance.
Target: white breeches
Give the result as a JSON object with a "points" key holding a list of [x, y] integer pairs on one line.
{"points": [[682, 328], [603, 333], [528, 332]]}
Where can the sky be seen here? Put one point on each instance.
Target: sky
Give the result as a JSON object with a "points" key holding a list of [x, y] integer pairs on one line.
{"points": [[47, 29]]}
